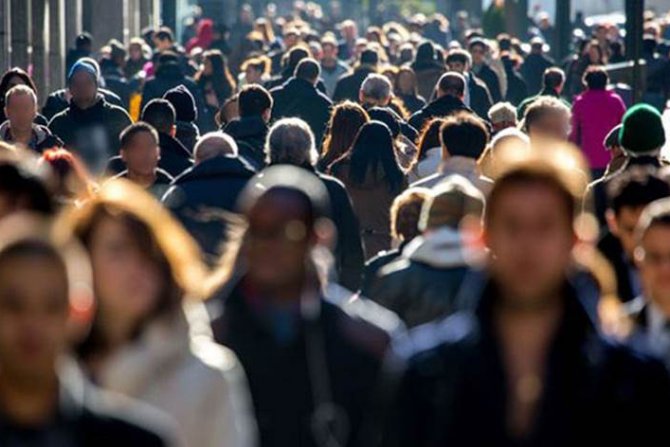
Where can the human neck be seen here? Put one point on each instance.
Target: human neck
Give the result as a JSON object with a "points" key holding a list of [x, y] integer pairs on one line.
{"points": [[145, 180], [29, 401], [22, 135]]}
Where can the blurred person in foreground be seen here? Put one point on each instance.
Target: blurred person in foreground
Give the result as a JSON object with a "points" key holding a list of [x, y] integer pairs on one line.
{"points": [[290, 141], [650, 311], [627, 196], [45, 400], [315, 366], [528, 367], [149, 338]]}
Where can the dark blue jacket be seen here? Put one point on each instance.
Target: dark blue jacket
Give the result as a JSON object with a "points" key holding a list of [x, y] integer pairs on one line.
{"points": [[202, 195], [595, 392]]}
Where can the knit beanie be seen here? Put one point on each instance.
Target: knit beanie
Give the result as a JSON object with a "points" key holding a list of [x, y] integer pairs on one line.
{"points": [[85, 66], [642, 131], [183, 102]]}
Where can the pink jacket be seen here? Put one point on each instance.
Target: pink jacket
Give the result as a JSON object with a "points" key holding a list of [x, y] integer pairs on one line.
{"points": [[594, 114]]}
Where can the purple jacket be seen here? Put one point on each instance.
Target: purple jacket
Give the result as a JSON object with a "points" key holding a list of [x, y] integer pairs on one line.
{"points": [[594, 114]]}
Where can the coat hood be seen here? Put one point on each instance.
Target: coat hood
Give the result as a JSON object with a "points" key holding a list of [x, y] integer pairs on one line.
{"points": [[183, 102], [442, 248]]}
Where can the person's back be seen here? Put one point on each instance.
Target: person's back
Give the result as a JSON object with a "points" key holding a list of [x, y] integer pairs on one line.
{"points": [[594, 113], [424, 284]]}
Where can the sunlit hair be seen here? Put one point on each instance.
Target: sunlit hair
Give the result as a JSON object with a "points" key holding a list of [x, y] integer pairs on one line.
{"points": [[346, 119], [406, 211], [558, 165], [541, 107], [429, 138], [165, 240], [71, 175]]}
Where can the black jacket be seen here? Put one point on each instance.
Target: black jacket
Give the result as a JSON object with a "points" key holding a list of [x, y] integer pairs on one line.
{"points": [[348, 85], [441, 107], [533, 69], [88, 417], [346, 340], [517, 90], [249, 133], [299, 98], [596, 392], [175, 159], [201, 194], [492, 82], [413, 103], [419, 291], [168, 78], [57, 101], [611, 248], [480, 97], [348, 250], [187, 134], [92, 133]]}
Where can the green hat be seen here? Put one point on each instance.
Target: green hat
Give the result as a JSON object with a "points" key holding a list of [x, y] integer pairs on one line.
{"points": [[642, 131]]}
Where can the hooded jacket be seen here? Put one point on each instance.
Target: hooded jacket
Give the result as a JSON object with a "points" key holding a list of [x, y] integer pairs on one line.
{"points": [[299, 98], [595, 392], [91, 133], [202, 195], [423, 284], [249, 133], [441, 107]]}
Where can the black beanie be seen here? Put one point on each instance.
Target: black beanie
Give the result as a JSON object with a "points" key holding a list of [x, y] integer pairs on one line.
{"points": [[642, 131], [183, 103]]}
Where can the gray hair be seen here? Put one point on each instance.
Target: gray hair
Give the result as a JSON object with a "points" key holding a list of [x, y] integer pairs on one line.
{"points": [[376, 87], [214, 144], [290, 141]]}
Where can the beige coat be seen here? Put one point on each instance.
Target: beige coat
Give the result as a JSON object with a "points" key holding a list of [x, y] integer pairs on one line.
{"points": [[176, 367]]}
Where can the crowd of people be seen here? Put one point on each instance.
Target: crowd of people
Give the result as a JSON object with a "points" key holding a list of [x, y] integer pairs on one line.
{"points": [[290, 233]]}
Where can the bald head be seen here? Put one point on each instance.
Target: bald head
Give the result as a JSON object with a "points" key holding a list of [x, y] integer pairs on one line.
{"points": [[452, 84], [214, 144]]}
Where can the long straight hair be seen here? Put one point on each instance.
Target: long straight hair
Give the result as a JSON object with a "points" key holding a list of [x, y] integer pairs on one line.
{"points": [[373, 149]]}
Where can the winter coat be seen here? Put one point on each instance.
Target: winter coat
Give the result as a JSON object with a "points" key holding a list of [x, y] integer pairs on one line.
{"points": [[595, 392], [413, 103], [87, 416], [372, 202], [492, 82], [423, 284], [426, 167], [645, 336], [160, 185], [58, 101], [478, 96], [441, 107], [249, 133], [176, 367], [187, 134], [349, 85], [457, 165], [348, 250], [330, 75], [93, 133], [533, 69], [202, 195], [624, 269], [349, 340], [299, 98], [174, 160], [42, 137], [594, 114], [427, 78]]}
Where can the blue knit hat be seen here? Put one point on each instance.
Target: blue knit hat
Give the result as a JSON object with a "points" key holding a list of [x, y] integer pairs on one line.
{"points": [[83, 65]]}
